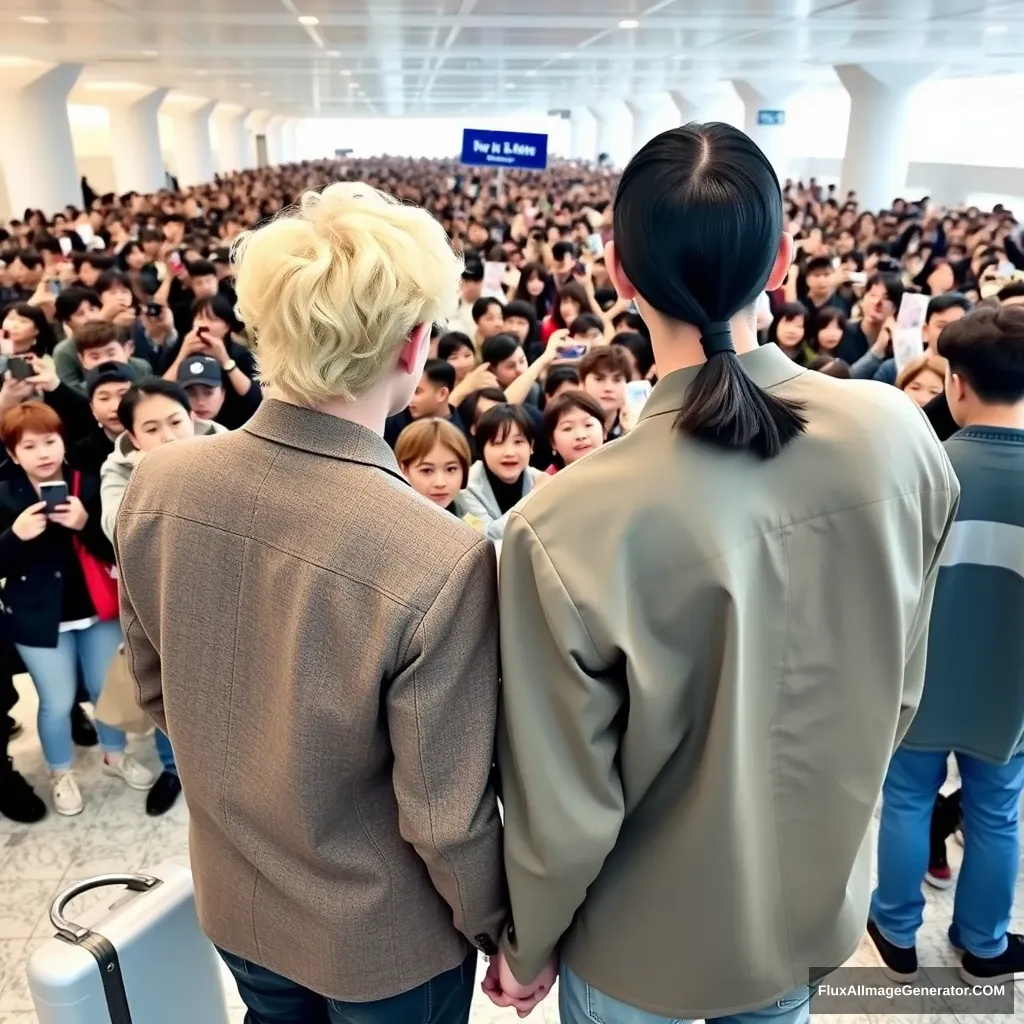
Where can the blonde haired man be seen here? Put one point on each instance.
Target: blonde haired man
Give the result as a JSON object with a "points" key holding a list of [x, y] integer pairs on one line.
{"points": [[321, 644]]}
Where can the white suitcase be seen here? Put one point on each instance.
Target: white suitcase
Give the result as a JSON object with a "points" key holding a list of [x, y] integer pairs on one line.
{"points": [[138, 957]]}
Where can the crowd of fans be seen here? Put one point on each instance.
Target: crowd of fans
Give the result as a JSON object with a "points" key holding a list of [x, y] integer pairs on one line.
{"points": [[119, 333]]}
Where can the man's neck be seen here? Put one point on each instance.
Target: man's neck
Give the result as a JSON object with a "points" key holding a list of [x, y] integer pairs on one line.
{"points": [[1006, 417], [370, 411]]}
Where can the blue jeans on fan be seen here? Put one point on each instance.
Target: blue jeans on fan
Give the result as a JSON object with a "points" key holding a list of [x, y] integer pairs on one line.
{"points": [[580, 1003], [990, 796], [164, 752], [54, 674], [272, 999]]}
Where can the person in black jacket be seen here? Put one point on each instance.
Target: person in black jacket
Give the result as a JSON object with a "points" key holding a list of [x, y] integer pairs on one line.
{"points": [[212, 335], [50, 610], [107, 384]]}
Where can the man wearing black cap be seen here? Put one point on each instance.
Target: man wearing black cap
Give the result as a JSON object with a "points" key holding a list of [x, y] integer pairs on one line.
{"points": [[202, 379], [106, 385]]}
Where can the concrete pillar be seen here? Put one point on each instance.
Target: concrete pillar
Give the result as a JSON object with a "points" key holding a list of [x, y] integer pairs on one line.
{"points": [[258, 122], [690, 106], [583, 130], [648, 120], [614, 131], [37, 155], [237, 152], [135, 138], [877, 154], [193, 149], [289, 141], [275, 140], [764, 119]]}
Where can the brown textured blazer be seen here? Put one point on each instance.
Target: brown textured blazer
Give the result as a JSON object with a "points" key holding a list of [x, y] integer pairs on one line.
{"points": [[321, 645]]}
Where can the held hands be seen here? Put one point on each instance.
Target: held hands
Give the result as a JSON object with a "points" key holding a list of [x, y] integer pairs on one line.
{"points": [[71, 514], [31, 523], [503, 990]]}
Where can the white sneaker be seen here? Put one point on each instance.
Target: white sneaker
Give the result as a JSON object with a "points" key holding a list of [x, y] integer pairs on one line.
{"points": [[126, 768], [67, 798]]}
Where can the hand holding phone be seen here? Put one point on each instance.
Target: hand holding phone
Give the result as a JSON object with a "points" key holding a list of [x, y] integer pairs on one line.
{"points": [[31, 523]]}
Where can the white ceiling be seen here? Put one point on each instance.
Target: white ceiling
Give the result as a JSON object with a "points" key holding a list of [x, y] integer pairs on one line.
{"points": [[458, 57]]}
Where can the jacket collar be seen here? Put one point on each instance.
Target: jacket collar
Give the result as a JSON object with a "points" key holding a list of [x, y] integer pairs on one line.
{"points": [[310, 431], [768, 366]]}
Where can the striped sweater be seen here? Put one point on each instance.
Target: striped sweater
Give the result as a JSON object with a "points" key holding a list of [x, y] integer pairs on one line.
{"points": [[973, 699]]}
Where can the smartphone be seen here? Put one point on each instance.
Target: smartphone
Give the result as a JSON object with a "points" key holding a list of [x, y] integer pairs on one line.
{"points": [[174, 262], [53, 287], [857, 277], [54, 494], [154, 309], [572, 351], [637, 393], [21, 369]]}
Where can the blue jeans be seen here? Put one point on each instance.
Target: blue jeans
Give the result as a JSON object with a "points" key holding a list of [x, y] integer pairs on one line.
{"points": [[990, 797], [53, 672], [580, 1003], [272, 999], [164, 751]]}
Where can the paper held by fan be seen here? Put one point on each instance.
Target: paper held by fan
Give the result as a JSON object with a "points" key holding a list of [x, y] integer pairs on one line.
{"points": [[908, 338]]}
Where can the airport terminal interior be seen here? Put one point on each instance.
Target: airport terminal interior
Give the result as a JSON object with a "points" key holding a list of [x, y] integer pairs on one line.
{"points": [[140, 138]]}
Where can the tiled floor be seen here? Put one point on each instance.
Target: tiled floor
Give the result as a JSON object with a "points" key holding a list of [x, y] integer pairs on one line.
{"points": [[114, 834]]}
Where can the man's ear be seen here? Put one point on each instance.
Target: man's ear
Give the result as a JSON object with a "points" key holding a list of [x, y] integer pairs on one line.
{"points": [[621, 283], [409, 354]]}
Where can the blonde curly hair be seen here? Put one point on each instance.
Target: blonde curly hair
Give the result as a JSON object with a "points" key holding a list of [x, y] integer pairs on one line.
{"points": [[331, 289]]}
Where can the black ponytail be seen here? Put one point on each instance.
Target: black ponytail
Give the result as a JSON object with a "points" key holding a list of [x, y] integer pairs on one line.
{"points": [[697, 225]]}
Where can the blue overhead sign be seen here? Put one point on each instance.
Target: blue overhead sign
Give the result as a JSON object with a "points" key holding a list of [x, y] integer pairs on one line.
{"points": [[504, 149], [770, 117]]}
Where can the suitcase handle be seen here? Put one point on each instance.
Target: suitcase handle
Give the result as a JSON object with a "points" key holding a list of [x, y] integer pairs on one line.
{"points": [[76, 933]]}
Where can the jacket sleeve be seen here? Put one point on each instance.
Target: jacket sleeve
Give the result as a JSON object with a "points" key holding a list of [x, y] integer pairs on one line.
{"points": [[112, 488], [69, 366], [73, 409], [938, 512], [866, 367], [141, 654], [441, 713], [558, 742]]}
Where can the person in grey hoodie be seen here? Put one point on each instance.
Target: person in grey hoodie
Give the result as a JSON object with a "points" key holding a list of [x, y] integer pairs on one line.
{"points": [[504, 438], [153, 412]]}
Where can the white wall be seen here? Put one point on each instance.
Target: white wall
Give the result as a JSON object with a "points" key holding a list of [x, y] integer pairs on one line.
{"points": [[427, 137]]}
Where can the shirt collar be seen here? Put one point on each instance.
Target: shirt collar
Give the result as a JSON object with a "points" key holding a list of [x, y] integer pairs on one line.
{"points": [[768, 366], [321, 434]]}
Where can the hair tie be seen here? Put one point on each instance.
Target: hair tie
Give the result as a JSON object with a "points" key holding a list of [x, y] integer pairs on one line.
{"points": [[716, 338]]}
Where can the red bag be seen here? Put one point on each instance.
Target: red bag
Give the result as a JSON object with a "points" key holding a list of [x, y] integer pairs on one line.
{"points": [[100, 577]]}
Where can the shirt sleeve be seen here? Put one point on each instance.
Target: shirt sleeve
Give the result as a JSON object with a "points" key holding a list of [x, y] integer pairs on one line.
{"points": [[441, 713], [560, 720]]}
